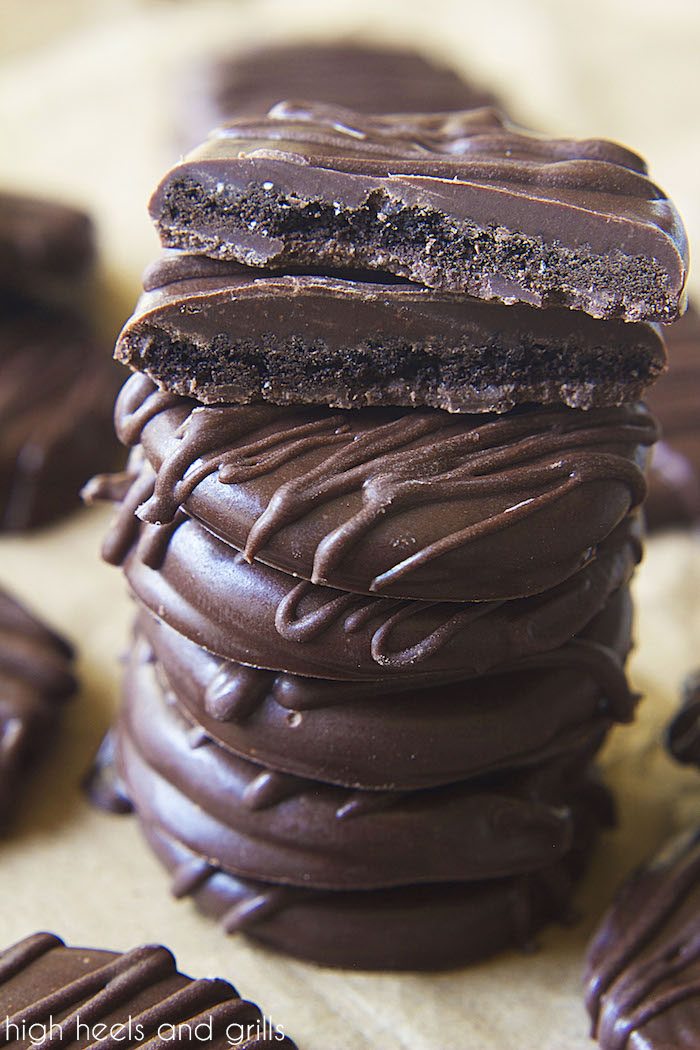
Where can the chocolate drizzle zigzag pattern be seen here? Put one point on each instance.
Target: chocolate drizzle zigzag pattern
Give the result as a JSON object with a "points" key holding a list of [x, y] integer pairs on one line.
{"points": [[304, 612], [394, 467]]}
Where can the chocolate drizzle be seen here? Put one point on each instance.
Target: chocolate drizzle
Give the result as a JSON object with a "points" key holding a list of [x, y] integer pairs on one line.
{"points": [[507, 470], [67, 990], [643, 964], [466, 144]]}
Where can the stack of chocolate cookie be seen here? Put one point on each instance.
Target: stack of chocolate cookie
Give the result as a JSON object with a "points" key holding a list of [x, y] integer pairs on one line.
{"points": [[380, 519]]}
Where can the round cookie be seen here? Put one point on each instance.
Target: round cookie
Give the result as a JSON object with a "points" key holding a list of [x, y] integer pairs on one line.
{"points": [[408, 928], [413, 503], [354, 734], [256, 615], [259, 823], [36, 677]]}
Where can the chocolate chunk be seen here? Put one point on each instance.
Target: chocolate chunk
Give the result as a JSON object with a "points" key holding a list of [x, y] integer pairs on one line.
{"points": [[409, 504], [368, 79], [243, 335], [52, 995], [462, 202], [57, 388], [36, 678], [359, 735], [260, 823], [426, 927], [674, 474], [255, 615], [46, 249], [642, 969]]}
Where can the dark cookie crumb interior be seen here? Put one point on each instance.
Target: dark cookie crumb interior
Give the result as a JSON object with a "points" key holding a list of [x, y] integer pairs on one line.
{"points": [[490, 378], [422, 244]]}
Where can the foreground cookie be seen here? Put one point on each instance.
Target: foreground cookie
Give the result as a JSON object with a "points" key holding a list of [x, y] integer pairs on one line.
{"points": [[256, 615], [642, 987], [406, 504], [86, 997], [674, 474], [458, 201], [359, 734], [57, 387], [35, 679], [223, 332], [426, 927]]}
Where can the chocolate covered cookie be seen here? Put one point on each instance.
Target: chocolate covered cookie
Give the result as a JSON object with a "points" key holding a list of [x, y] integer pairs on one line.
{"points": [[642, 987], [57, 386], [674, 473], [359, 735], [222, 332], [425, 927], [259, 823], [460, 202], [252, 614], [36, 678], [409, 504], [84, 997]]}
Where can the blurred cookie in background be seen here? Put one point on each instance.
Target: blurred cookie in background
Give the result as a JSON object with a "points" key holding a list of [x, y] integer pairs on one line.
{"points": [[343, 73], [57, 379], [674, 477], [36, 678]]}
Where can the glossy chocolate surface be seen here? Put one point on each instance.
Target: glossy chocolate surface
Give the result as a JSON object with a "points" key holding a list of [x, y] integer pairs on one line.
{"points": [[260, 823], [643, 965], [359, 735], [408, 504], [458, 201], [85, 997], [256, 615]]}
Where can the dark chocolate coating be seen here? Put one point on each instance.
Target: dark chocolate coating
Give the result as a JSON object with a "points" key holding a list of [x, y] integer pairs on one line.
{"points": [[243, 335], [457, 201], [87, 997], [368, 79], [408, 504], [683, 734], [424, 927], [57, 387], [46, 248], [357, 735], [256, 615], [36, 678], [643, 965], [674, 472], [261, 824]]}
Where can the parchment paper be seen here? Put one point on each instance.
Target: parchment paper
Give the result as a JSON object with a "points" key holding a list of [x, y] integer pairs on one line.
{"points": [[88, 112]]}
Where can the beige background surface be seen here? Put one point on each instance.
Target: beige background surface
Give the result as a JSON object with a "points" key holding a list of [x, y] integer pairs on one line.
{"points": [[87, 107]]}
